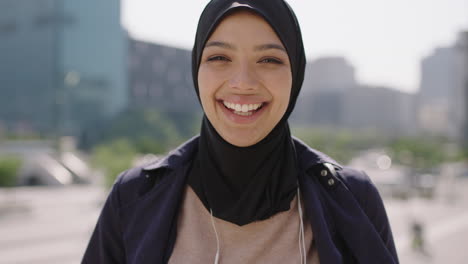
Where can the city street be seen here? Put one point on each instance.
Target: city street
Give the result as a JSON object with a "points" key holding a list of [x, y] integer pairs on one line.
{"points": [[52, 225], [445, 222], [46, 224]]}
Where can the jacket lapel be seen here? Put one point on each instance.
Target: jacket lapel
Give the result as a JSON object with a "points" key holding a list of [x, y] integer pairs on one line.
{"points": [[355, 228], [335, 214], [151, 221], [320, 220]]}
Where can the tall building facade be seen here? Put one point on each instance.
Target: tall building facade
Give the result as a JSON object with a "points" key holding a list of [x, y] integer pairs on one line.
{"points": [[161, 77], [380, 109], [326, 81], [27, 33], [333, 98], [64, 64], [329, 74], [462, 46], [441, 97]]}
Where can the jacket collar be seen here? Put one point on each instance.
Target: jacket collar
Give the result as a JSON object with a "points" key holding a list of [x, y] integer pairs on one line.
{"points": [[308, 157], [320, 219]]}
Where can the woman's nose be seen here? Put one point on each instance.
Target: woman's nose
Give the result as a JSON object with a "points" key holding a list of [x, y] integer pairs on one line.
{"points": [[244, 77]]}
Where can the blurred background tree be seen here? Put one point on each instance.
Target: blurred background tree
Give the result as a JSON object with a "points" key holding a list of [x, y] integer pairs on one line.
{"points": [[9, 167], [421, 153], [138, 131], [424, 153], [113, 158], [340, 144]]}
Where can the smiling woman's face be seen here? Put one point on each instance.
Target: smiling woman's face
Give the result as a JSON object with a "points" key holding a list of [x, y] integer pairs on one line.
{"points": [[244, 79]]}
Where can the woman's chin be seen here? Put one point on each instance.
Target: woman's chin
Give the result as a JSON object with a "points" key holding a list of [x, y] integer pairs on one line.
{"points": [[242, 138]]}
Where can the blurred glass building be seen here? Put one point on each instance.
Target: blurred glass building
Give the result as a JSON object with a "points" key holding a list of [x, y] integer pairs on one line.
{"points": [[63, 65], [161, 77]]}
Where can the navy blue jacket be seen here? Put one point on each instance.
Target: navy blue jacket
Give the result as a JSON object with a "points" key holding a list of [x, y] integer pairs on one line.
{"points": [[138, 222]]}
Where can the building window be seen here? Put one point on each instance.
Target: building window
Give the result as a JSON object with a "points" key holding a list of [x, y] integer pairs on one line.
{"points": [[159, 66], [54, 19], [139, 90], [174, 76], [8, 27]]}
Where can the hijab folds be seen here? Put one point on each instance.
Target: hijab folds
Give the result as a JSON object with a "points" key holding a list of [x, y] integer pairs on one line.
{"points": [[246, 184]]}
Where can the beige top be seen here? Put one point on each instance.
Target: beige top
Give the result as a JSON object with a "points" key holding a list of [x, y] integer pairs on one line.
{"points": [[275, 240]]}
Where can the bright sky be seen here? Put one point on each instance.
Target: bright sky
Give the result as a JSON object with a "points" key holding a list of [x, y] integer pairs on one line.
{"points": [[384, 39]]}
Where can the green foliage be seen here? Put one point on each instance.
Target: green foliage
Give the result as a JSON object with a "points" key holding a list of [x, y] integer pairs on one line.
{"points": [[139, 126], [139, 131], [148, 130], [21, 137], [341, 145], [423, 153], [187, 124], [113, 158], [9, 167], [464, 152]]}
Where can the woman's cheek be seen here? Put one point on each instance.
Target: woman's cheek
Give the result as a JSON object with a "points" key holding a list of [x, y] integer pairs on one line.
{"points": [[280, 85]]}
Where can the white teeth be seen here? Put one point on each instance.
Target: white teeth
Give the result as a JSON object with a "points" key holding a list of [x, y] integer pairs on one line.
{"points": [[243, 114], [244, 108]]}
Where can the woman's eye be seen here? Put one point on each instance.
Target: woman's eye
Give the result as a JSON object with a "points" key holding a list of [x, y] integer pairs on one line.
{"points": [[271, 60], [218, 58]]}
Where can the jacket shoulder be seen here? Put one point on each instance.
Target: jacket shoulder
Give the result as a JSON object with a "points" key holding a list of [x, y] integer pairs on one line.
{"points": [[130, 184], [359, 183], [135, 182], [354, 179], [367, 195]]}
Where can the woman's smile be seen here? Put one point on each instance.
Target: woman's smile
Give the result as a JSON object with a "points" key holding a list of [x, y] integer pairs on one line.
{"points": [[242, 113], [242, 109]]}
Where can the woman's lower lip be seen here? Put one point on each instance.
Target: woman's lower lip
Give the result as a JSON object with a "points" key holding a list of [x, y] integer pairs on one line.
{"points": [[241, 119]]}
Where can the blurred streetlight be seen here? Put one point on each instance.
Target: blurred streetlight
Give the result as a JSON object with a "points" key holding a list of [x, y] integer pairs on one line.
{"points": [[72, 78], [384, 162]]}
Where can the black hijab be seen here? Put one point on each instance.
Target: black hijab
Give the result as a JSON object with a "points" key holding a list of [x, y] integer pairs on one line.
{"points": [[245, 184]]}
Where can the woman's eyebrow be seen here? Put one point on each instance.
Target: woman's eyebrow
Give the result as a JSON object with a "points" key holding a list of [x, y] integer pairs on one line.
{"points": [[269, 46], [219, 44], [262, 47]]}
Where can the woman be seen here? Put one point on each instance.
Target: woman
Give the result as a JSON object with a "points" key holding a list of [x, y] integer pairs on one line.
{"points": [[244, 191]]}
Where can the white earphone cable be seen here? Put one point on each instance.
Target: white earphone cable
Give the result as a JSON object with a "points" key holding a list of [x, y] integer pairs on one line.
{"points": [[302, 247], [216, 261], [301, 240]]}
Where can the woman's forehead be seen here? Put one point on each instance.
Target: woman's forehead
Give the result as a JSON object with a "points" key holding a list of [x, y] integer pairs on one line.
{"points": [[248, 24]]}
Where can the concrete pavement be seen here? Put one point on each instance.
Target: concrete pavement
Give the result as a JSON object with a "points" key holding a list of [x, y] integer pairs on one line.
{"points": [[47, 225]]}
